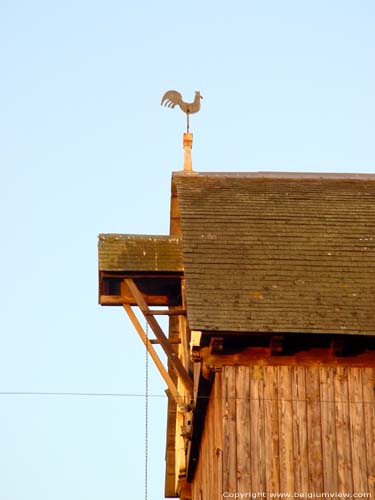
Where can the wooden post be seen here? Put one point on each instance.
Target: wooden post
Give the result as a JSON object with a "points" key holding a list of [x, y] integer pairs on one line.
{"points": [[188, 143]]}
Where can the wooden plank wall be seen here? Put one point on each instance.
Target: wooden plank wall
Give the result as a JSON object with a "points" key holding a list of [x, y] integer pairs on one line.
{"points": [[290, 429], [208, 480]]}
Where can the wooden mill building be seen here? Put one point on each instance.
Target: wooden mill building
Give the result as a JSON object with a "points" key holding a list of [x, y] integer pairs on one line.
{"points": [[268, 280]]}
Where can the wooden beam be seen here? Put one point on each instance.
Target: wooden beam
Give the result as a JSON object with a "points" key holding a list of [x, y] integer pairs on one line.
{"points": [[119, 300], [110, 300], [167, 312], [339, 347], [159, 365], [155, 300], [172, 341], [277, 345], [262, 356], [216, 345], [154, 325]]}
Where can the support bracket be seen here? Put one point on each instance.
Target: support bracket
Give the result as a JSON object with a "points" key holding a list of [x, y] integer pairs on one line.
{"points": [[164, 342], [172, 389]]}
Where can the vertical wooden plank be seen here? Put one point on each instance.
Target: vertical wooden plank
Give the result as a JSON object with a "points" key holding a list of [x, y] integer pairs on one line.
{"points": [[328, 423], [271, 419], [257, 430], [314, 437], [226, 426], [301, 470], [357, 430], [210, 452], [229, 430], [344, 472], [205, 464], [201, 463], [203, 474], [218, 417], [208, 476], [198, 477], [286, 430], [243, 428], [212, 444], [368, 381]]}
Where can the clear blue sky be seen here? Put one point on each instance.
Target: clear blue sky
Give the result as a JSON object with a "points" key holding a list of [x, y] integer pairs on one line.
{"points": [[86, 148]]}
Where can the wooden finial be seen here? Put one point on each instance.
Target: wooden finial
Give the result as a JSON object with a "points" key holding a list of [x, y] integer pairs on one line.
{"points": [[188, 143]]}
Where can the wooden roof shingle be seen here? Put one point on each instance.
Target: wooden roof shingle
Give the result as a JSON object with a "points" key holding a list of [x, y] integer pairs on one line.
{"points": [[279, 252], [133, 252]]}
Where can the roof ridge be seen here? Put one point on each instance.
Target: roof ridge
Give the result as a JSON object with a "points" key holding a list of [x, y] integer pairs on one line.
{"points": [[281, 175]]}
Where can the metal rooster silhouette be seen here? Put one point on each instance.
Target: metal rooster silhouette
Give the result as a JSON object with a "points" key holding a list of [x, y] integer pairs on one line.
{"points": [[173, 98]]}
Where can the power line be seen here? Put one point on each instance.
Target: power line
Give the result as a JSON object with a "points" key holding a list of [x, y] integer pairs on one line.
{"points": [[226, 398], [88, 394]]}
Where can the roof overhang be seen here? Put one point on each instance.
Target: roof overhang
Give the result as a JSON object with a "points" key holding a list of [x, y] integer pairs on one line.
{"points": [[154, 262]]}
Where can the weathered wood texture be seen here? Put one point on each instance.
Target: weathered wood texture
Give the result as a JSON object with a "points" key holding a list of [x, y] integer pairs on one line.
{"points": [[288, 429], [123, 252], [170, 452], [279, 254], [208, 480]]}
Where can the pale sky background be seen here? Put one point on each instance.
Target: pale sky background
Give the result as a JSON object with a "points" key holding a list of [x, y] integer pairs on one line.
{"points": [[85, 148]]}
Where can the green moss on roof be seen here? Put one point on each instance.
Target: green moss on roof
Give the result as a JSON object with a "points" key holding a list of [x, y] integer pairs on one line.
{"points": [[279, 253], [132, 253]]}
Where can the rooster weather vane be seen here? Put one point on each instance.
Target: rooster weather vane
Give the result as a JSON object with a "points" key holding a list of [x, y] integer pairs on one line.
{"points": [[173, 98]]}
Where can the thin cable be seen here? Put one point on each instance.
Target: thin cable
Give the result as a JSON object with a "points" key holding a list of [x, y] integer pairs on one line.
{"points": [[146, 414], [89, 394], [134, 395]]}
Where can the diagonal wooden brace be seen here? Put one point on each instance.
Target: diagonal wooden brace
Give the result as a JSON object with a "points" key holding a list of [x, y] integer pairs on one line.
{"points": [[172, 389], [164, 342]]}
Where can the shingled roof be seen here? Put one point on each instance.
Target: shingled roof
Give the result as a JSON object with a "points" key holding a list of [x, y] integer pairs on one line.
{"points": [[134, 252], [279, 252]]}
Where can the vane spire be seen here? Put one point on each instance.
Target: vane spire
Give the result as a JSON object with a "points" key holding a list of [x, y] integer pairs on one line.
{"points": [[173, 98], [187, 144]]}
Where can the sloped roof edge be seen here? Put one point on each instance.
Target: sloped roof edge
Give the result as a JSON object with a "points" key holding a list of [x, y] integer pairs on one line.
{"points": [[279, 175]]}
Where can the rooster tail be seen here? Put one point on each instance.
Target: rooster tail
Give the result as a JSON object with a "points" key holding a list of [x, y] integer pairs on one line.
{"points": [[171, 98]]}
